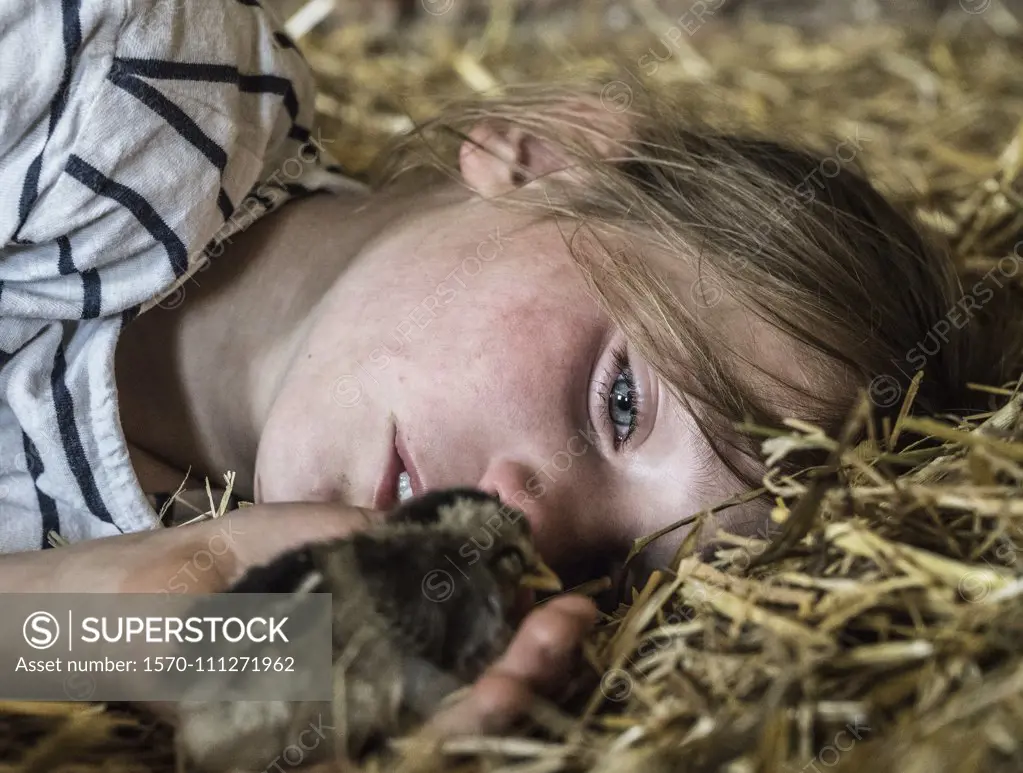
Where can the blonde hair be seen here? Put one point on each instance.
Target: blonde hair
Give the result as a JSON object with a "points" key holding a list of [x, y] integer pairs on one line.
{"points": [[797, 236]]}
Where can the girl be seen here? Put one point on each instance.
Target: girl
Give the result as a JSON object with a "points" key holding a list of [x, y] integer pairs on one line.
{"points": [[548, 297]]}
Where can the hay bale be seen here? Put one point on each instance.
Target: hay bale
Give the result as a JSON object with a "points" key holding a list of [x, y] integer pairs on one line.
{"points": [[884, 629]]}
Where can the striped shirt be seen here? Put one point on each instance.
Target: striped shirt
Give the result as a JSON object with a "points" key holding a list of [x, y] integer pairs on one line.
{"points": [[136, 138]]}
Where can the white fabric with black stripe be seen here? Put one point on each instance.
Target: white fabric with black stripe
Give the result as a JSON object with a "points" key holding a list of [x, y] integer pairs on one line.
{"points": [[136, 136]]}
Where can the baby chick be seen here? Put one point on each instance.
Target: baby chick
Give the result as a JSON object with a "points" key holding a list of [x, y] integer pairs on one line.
{"points": [[420, 606]]}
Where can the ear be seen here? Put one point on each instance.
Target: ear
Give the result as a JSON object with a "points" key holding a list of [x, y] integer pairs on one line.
{"points": [[498, 157]]}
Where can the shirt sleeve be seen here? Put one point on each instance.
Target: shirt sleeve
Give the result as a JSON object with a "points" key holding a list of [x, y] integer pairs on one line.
{"points": [[136, 137]]}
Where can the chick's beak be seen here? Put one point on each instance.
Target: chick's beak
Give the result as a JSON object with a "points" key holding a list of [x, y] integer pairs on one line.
{"points": [[540, 577]]}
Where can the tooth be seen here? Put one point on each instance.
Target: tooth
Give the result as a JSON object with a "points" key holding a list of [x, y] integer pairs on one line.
{"points": [[404, 487]]}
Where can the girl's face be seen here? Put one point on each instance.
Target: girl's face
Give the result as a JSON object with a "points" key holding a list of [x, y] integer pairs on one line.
{"points": [[465, 346], [462, 344]]}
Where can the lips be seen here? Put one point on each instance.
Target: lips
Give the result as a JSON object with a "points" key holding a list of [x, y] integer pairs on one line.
{"points": [[386, 496]]}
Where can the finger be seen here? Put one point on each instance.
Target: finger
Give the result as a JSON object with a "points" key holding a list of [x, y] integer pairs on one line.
{"points": [[490, 706], [543, 650], [576, 605]]}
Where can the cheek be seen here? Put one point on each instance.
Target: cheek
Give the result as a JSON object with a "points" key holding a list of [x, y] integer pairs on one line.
{"points": [[508, 332], [550, 317], [527, 372], [295, 450]]}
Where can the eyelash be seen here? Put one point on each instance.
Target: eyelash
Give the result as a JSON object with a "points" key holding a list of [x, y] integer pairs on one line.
{"points": [[619, 369]]}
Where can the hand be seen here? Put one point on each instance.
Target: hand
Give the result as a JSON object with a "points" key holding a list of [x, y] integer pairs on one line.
{"points": [[208, 557], [205, 557], [537, 662]]}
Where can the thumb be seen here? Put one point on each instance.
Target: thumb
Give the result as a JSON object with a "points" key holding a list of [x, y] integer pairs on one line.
{"points": [[259, 533]]}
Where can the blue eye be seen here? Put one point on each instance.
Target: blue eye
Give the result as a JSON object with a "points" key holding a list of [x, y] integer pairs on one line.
{"points": [[622, 414]]}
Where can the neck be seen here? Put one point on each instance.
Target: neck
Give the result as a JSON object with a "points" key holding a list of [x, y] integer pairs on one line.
{"points": [[195, 383]]}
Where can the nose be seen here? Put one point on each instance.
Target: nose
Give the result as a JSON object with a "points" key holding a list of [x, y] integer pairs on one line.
{"points": [[548, 502], [559, 507], [508, 479], [525, 487]]}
